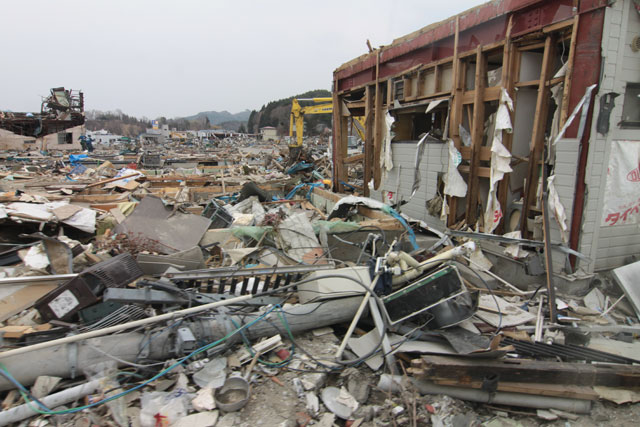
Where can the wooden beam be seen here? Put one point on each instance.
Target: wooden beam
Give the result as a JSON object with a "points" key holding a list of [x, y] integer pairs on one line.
{"points": [[377, 132], [455, 113], [510, 70], [557, 390], [368, 137], [536, 146], [353, 159], [477, 135], [564, 111], [340, 139], [582, 374]]}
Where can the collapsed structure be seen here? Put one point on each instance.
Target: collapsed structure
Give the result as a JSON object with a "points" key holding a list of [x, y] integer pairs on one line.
{"points": [[219, 284], [511, 84]]}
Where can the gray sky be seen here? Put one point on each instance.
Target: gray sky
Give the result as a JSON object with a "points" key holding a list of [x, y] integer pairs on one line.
{"points": [[179, 57]]}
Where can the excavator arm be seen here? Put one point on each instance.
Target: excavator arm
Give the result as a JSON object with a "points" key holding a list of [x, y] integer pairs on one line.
{"points": [[296, 122]]}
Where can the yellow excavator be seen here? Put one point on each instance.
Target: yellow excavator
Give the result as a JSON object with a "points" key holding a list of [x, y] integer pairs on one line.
{"points": [[296, 122]]}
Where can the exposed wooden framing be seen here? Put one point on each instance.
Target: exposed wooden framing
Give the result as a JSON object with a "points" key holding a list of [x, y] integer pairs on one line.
{"points": [[368, 136], [564, 111], [532, 46], [377, 127], [528, 83], [510, 67], [437, 78], [489, 94], [477, 134], [537, 138], [559, 25], [353, 159], [340, 138], [455, 113]]}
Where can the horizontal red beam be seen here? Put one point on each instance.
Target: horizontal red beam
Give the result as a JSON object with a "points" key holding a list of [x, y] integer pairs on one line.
{"points": [[483, 25]]}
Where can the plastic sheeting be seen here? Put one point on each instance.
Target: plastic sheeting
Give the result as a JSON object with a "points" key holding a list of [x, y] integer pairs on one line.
{"points": [[556, 207], [386, 161], [500, 162]]}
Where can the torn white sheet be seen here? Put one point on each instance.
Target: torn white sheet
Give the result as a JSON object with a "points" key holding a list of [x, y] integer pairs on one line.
{"points": [[515, 250], [479, 258], [585, 99], [386, 161], [36, 257], [500, 162], [454, 184], [31, 210], [504, 314], [124, 172], [465, 136], [84, 220], [3, 212], [238, 254], [433, 104], [556, 207]]}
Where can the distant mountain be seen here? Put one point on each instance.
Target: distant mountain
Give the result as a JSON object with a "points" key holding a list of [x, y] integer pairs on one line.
{"points": [[219, 117]]}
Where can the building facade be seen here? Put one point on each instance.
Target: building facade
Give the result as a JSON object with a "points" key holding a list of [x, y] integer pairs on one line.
{"points": [[495, 90]]}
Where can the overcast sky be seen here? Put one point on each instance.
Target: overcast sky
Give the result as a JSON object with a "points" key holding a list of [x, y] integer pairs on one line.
{"points": [[176, 58]]}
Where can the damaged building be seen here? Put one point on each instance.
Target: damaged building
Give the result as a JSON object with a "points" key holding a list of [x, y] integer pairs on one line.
{"points": [[470, 120], [58, 126], [448, 275]]}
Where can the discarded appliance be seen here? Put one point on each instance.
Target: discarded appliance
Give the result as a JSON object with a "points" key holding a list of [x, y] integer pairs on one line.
{"points": [[439, 300], [84, 289]]}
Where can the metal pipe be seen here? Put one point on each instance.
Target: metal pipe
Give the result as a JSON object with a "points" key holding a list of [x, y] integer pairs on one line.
{"points": [[64, 360], [22, 412], [35, 279], [122, 327], [395, 383]]}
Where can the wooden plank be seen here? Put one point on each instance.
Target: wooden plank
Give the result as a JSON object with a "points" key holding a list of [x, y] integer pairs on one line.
{"points": [[455, 113], [556, 390], [482, 172], [558, 25], [354, 159], [485, 153], [528, 83], [477, 134], [329, 195], [510, 69], [100, 198], [525, 371], [368, 136], [377, 126], [340, 137], [537, 138], [490, 94], [564, 111], [23, 298]]}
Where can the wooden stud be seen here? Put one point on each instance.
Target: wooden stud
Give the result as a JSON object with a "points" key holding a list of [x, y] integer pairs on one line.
{"points": [[537, 138], [455, 113], [564, 111], [368, 137], [377, 132], [509, 70], [477, 134]]}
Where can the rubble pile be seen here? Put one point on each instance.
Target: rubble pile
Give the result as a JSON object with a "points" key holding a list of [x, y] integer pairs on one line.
{"points": [[224, 286]]}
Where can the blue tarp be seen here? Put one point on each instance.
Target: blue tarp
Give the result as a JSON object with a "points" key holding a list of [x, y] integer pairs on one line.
{"points": [[76, 158]]}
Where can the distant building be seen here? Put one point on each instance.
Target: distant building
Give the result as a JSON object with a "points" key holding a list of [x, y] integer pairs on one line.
{"points": [[269, 133], [67, 140], [103, 137]]}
